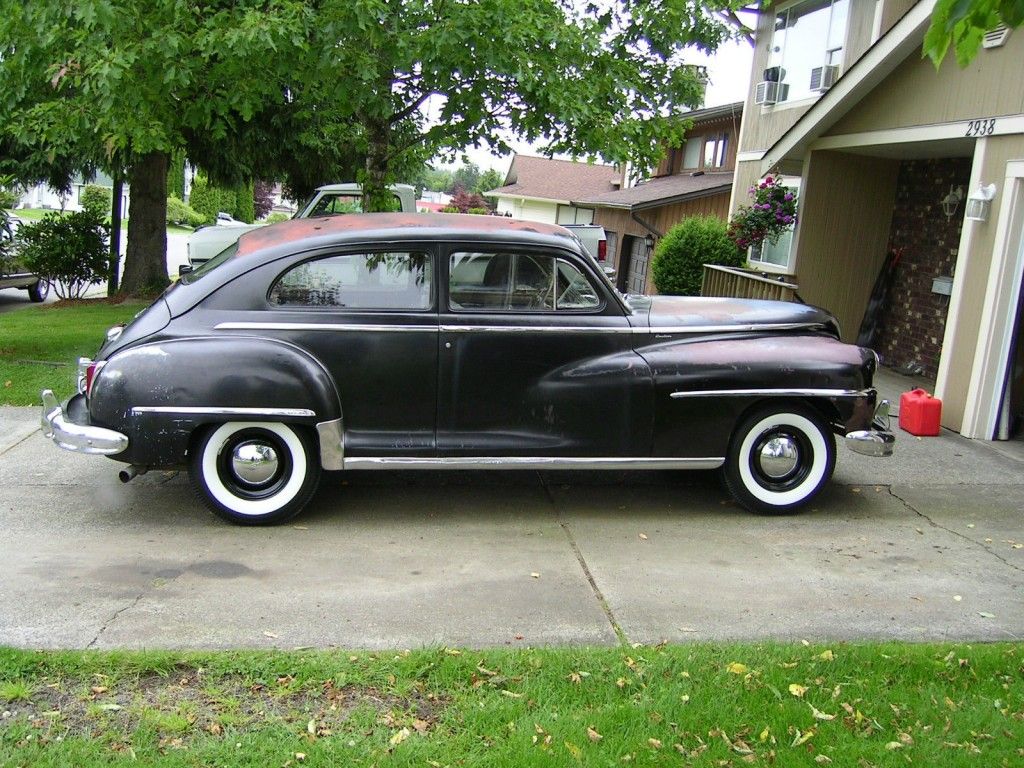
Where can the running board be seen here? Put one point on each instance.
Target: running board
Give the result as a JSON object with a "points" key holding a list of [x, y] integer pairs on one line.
{"points": [[528, 462]]}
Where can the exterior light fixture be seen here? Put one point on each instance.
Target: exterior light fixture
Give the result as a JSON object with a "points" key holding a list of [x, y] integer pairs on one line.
{"points": [[952, 201], [649, 242], [980, 202]]}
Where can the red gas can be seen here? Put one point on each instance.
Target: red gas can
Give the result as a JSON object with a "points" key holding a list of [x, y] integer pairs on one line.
{"points": [[920, 413]]}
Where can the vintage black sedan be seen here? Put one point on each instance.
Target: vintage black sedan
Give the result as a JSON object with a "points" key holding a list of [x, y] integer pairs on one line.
{"points": [[377, 341]]}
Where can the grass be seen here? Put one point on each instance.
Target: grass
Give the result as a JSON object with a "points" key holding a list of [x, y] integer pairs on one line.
{"points": [[35, 214], [40, 346], [727, 705]]}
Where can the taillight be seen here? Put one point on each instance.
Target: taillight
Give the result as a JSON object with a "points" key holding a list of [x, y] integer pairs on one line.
{"points": [[602, 250], [88, 370]]}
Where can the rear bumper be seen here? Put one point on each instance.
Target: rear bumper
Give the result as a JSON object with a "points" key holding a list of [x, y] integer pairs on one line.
{"points": [[876, 441], [71, 432]]}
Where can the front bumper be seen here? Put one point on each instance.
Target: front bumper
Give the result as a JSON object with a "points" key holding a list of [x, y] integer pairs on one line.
{"points": [[876, 441], [72, 435]]}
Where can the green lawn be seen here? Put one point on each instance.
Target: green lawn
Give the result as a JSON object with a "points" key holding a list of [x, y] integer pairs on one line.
{"points": [[40, 346], [35, 214], [729, 705]]}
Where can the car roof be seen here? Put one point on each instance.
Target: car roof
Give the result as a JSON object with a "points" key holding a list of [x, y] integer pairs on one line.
{"points": [[402, 226], [351, 186]]}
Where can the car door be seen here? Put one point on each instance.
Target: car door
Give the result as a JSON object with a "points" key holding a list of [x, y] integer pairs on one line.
{"points": [[536, 359], [369, 316]]}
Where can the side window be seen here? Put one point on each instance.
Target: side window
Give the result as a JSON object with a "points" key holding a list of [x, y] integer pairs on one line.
{"points": [[517, 282], [397, 280], [338, 204]]}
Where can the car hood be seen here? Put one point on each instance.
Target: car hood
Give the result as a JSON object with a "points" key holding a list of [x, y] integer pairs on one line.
{"points": [[691, 313]]}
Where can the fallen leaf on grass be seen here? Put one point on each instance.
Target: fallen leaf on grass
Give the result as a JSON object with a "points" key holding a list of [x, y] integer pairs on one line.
{"points": [[654, 743], [797, 690], [573, 749], [893, 745], [737, 669], [399, 737], [593, 735], [98, 689], [822, 759], [827, 655], [819, 715], [802, 738]]}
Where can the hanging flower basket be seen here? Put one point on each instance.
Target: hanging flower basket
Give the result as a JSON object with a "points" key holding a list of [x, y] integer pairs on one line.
{"points": [[772, 212]]}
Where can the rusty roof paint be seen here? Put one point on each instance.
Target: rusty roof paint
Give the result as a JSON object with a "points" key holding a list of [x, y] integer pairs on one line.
{"points": [[429, 225]]}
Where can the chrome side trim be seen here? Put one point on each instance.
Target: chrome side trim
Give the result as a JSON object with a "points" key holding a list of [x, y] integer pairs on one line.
{"points": [[633, 330], [774, 393], [324, 327], [529, 462], [537, 329], [332, 444], [218, 411]]}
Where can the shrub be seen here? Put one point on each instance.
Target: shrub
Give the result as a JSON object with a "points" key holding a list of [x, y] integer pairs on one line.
{"points": [[480, 211], [244, 208], [180, 212], [277, 217], [69, 250], [176, 175], [96, 200], [263, 198], [678, 262]]}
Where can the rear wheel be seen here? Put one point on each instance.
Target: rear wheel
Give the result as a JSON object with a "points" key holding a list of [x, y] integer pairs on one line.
{"points": [[779, 458], [255, 473], [39, 291]]}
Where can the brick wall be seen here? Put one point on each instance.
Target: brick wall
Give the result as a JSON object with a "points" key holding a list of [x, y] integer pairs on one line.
{"points": [[914, 319]]}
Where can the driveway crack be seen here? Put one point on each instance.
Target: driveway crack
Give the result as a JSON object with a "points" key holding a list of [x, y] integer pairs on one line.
{"points": [[14, 445], [605, 607], [113, 618], [968, 539]]}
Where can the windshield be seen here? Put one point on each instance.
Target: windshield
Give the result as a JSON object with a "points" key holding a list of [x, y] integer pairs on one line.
{"points": [[190, 277]]}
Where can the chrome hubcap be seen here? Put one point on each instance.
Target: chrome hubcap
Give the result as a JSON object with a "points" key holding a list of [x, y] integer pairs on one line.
{"points": [[254, 463], [779, 457]]}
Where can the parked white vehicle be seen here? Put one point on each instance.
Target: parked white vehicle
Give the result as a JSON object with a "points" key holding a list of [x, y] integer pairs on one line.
{"points": [[594, 239], [328, 200]]}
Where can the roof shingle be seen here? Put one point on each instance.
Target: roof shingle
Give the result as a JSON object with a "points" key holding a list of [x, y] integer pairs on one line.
{"points": [[544, 178], [661, 191]]}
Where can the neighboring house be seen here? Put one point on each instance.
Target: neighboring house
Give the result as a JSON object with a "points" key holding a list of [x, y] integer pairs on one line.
{"points": [[693, 180], [43, 196], [540, 189], [891, 155]]}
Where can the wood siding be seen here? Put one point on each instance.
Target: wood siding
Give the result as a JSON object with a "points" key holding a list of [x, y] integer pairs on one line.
{"points": [[662, 218], [990, 86], [846, 211], [673, 161]]}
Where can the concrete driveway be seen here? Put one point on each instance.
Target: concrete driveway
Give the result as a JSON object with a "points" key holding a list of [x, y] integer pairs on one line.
{"points": [[926, 546]]}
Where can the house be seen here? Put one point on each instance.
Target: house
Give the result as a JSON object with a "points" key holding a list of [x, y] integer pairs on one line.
{"points": [[693, 180], [891, 156], [541, 189], [44, 196]]}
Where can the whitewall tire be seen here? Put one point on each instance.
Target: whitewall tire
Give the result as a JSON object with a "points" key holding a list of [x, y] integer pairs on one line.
{"points": [[779, 458], [255, 472]]}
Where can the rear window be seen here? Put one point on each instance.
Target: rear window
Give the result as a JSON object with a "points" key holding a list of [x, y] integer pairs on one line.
{"points": [[208, 267], [392, 280]]}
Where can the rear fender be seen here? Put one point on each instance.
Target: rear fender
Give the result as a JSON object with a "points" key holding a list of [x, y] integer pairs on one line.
{"points": [[160, 393]]}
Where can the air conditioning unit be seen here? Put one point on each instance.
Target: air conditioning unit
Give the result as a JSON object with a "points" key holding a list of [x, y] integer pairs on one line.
{"points": [[823, 78], [769, 92], [995, 38]]}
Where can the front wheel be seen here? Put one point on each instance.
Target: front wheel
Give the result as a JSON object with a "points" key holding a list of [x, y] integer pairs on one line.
{"points": [[779, 458], [255, 472]]}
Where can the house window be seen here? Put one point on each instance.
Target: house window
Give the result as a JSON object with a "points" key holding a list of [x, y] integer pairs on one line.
{"points": [[691, 156], [807, 36], [570, 214], [778, 257], [715, 150]]}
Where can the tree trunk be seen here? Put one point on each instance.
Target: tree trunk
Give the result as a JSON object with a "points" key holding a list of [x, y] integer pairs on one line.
{"points": [[376, 196], [145, 263]]}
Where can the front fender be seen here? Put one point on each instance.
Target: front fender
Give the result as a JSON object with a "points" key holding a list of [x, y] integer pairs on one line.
{"points": [[159, 393]]}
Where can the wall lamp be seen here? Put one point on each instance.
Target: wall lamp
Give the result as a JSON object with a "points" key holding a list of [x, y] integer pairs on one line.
{"points": [[952, 201], [979, 203], [649, 242]]}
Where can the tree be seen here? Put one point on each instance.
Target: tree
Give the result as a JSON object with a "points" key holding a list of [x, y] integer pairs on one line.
{"points": [[466, 177], [423, 78], [490, 179], [100, 83], [963, 24], [263, 199]]}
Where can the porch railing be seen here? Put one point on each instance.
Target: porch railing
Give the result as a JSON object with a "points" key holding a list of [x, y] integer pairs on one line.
{"points": [[745, 284]]}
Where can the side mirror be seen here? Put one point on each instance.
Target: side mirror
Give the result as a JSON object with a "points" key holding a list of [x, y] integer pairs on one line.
{"points": [[184, 269], [609, 272]]}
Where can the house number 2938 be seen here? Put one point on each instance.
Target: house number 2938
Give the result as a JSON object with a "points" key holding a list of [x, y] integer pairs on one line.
{"points": [[981, 127]]}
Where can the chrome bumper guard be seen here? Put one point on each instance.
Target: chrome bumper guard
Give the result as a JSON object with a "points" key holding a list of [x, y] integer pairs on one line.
{"points": [[877, 441], [80, 438]]}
